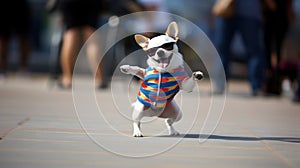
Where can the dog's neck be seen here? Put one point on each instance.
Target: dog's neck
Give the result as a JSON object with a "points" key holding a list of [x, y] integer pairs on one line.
{"points": [[165, 70]]}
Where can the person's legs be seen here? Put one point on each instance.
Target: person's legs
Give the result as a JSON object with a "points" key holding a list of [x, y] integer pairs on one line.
{"points": [[250, 30], [94, 56], [69, 51], [24, 49], [225, 29], [268, 40], [93, 53], [296, 97], [280, 34], [4, 40]]}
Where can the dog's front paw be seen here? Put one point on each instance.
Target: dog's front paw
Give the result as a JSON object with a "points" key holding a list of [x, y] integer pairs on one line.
{"points": [[197, 75], [125, 69]]}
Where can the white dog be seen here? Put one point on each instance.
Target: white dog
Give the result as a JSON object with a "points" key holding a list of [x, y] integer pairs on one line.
{"points": [[164, 77]]}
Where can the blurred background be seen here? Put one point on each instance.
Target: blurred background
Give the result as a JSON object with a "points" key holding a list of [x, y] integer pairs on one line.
{"points": [[46, 27]]}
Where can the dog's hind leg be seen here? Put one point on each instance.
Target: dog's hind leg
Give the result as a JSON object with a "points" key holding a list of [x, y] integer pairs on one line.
{"points": [[171, 129], [137, 116], [173, 118]]}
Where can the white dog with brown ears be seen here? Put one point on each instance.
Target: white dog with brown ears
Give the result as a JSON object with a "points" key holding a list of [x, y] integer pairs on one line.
{"points": [[164, 77]]}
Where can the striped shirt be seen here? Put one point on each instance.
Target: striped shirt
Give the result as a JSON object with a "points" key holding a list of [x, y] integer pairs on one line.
{"points": [[159, 88]]}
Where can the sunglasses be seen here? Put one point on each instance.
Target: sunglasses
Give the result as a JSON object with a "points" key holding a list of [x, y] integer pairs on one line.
{"points": [[167, 46]]}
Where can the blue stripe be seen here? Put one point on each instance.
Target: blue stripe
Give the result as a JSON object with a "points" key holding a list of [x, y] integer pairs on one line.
{"points": [[143, 101], [151, 76], [162, 85], [147, 93], [171, 98], [164, 75], [175, 74], [150, 95], [178, 73]]}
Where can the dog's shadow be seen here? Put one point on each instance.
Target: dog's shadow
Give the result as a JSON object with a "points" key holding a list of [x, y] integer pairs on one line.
{"points": [[235, 138]]}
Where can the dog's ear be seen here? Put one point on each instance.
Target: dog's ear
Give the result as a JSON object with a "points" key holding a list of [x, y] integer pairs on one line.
{"points": [[172, 30], [142, 41]]}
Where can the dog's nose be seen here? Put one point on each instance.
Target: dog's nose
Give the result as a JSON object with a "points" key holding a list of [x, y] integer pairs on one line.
{"points": [[160, 53]]}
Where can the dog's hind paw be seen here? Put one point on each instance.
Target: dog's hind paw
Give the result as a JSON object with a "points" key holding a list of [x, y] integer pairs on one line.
{"points": [[137, 134], [174, 133]]}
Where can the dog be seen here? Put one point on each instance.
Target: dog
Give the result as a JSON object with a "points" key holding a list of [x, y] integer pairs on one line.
{"points": [[162, 80]]}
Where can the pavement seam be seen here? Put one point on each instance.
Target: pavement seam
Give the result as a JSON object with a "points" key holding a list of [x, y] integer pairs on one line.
{"points": [[276, 153], [19, 124], [269, 148], [109, 154]]}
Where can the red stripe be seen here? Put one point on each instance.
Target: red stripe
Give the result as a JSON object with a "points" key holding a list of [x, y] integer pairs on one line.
{"points": [[155, 71], [164, 89], [144, 85], [158, 98], [165, 80], [146, 99]]}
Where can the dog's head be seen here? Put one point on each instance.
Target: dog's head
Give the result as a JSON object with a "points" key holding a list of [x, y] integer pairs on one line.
{"points": [[162, 50]]}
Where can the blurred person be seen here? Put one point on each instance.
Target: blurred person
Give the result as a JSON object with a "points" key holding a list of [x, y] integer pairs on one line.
{"points": [[278, 15], [296, 97], [115, 9], [81, 20], [56, 30], [247, 21], [198, 13], [154, 22], [124, 7], [15, 19]]}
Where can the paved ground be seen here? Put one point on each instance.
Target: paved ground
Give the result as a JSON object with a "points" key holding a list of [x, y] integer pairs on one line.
{"points": [[40, 128]]}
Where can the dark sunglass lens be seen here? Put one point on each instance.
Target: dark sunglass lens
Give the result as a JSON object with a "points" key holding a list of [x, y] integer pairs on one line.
{"points": [[168, 46], [151, 51]]}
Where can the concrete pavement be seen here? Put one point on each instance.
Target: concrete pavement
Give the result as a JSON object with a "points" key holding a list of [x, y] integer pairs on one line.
{"points": [[40, 128]]}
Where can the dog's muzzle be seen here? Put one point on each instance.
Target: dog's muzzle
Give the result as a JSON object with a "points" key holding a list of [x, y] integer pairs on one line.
{"points": [[163, 60], [161, 53]]}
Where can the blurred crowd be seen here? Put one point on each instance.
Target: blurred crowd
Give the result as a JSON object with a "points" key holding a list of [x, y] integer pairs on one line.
{"points": [[263, 34]]}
